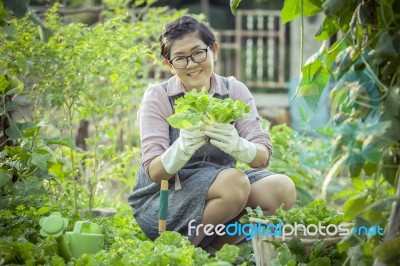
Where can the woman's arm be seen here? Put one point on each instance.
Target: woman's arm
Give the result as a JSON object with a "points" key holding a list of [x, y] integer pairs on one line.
{"points": [[154, 131], [157, 171], [262, 157]]}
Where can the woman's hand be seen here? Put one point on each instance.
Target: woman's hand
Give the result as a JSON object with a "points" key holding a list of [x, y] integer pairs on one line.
{"points": [[189, 141], [226, 138]]}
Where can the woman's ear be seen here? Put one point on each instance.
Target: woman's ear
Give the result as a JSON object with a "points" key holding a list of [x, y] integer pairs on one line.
{"points": [[215, 49], [168, 64]]}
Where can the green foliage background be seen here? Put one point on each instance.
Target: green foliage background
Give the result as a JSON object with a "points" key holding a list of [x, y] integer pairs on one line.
{"points": [[365, 108]]}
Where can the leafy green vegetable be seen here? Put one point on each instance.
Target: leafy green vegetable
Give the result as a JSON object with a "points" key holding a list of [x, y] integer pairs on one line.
{"points": [[228, 253], [315, 212], [125, 243], [195, 107], [295, 253]]}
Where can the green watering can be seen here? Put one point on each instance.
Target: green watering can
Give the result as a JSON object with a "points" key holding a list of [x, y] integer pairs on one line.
{"points": [[87, 237]]}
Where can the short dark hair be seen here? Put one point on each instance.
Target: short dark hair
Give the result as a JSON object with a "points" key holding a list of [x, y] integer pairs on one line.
{"points": [[179, 28]]}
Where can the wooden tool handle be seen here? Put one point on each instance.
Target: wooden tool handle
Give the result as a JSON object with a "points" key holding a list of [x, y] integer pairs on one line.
{"points": [[163, 211]]}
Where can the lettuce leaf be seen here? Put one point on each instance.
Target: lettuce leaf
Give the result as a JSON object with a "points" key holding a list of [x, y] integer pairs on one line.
{"points": [[195, 107]]}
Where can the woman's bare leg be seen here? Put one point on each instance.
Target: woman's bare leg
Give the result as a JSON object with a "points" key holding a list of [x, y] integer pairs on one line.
{"points": [[268, 193], [226, 198]]}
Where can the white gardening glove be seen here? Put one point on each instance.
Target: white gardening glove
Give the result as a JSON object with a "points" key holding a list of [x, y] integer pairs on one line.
{"points": [[189, 141], [226, 138]]}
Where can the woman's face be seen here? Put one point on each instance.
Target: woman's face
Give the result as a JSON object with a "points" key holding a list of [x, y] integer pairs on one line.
{"points": [[194, 75]]}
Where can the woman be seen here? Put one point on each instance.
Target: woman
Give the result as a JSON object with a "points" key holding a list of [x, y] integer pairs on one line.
{"points": [[201, 191]]}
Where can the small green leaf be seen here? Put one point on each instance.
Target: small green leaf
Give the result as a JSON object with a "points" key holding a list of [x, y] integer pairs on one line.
{"points": [[328, 28], [234, 4], [44, 32], [30, 132], [13, 150], [9, 29], [184, 120], [39, 160], [56, 169], [15, 131], [5, 177], [321, 261], [355, 169], [346, 243], [313, 80], [375, 214], [354, 205], [292, 9], [315, 250], [370, 168], [371, 153], [335, 7], [67, 142], [3, 83], [295, 246], [43, 210], [13, 91], [169, 238], [227, 253]]}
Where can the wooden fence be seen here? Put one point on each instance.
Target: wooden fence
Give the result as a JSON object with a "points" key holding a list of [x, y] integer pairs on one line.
{"points": [[255, 51]]}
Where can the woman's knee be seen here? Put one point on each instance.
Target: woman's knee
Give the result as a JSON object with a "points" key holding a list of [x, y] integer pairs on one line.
{"points": [[233, 186], [288, 190], [271, 192]]}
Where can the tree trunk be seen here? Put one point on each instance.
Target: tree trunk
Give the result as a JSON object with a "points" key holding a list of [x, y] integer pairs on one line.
{"points": [[5, 123], [83, 133]]}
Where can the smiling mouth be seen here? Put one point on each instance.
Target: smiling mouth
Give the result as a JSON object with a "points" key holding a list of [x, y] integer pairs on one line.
{"points": [[194, 74]]}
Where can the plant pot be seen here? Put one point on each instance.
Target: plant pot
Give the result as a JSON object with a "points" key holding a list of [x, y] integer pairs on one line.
{"points": [[264, 252]]}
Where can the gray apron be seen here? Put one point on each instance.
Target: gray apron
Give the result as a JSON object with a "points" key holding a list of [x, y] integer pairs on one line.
{"points": [[186, 200]]}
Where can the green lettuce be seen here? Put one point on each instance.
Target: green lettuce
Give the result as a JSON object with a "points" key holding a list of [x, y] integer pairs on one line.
{"points": [[195, 107]]}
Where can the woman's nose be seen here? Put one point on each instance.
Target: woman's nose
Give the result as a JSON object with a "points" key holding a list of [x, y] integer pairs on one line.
{"points": [[190, 62]]}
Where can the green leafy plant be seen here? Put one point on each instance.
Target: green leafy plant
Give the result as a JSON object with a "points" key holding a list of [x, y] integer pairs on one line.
{"points": [[295, 253], [307, 156], [315, 212], [125, 243], [71, 80], [195, 107], [365, 110], [31, 167]]}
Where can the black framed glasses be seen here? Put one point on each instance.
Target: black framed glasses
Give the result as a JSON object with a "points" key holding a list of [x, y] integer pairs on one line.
{"points": [[198, 56]]}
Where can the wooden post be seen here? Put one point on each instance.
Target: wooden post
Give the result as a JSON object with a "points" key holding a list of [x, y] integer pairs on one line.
{"points": [[205, 8]]}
